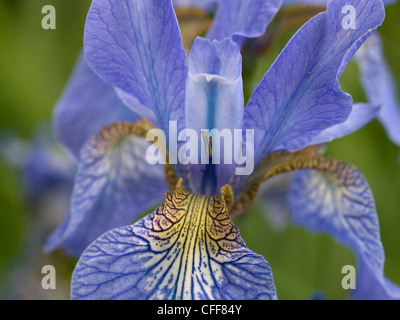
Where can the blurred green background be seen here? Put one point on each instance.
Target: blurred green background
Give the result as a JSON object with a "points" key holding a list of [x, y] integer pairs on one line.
{"points": [[34, 67]]}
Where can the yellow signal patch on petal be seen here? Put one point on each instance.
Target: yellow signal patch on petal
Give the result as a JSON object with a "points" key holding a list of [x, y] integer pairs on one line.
{"points": [[188, 248]]}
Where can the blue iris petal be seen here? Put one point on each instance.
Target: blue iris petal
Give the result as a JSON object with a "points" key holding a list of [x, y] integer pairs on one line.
{"points": [[136, 46], [339, 202], [87, 104], [214, 100], [242, 19], [186, 249], [300, 95], [360, 115], [113, 186], [379, 85]]}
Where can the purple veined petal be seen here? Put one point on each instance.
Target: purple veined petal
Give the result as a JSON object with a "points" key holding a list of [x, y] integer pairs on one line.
{"points": [[340, 203], [113, 186], [86, 105], [379, 85], [135, 45], [300, 94], [186, 249], [214, 101], [242, 19], [361, 114]]}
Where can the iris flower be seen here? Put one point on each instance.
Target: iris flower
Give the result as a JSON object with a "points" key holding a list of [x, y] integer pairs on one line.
{"points": [[89, 103], [188, 248]]}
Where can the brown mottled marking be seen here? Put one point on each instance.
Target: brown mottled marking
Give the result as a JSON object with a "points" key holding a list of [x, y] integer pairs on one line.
{"points": [[170, 176], [113, 133], [272, 165], [227, 194]]}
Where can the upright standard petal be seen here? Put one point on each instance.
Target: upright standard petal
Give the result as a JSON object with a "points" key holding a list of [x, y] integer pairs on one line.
{"points": [[214, 94], [379, 85], [214, 102], [135, 45], [337, 200], [86, 105], [113, 186], [300, 94], [242, 19], [186, 249]]}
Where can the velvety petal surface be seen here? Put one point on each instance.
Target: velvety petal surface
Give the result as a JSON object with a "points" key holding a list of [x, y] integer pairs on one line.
{"points": [[186, 249], [135, 45], [338, 201], [242, 19], [113, 186], [300, 94], [86, 105], [379, 85]]}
